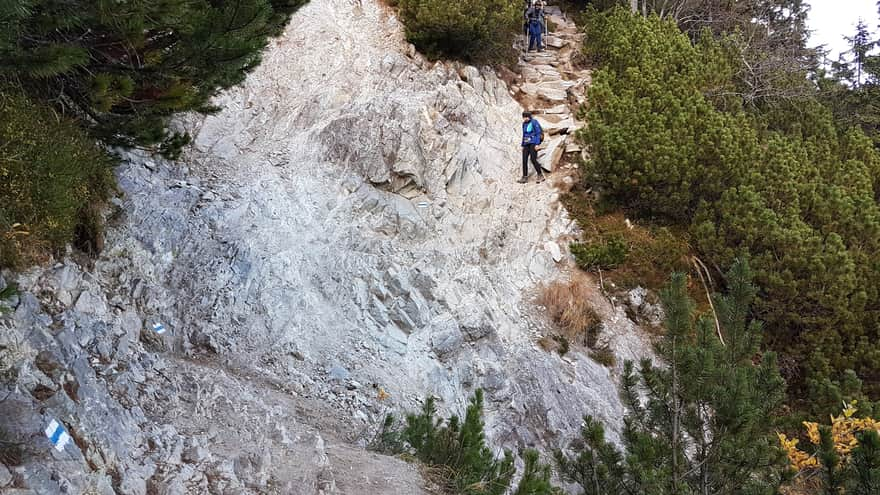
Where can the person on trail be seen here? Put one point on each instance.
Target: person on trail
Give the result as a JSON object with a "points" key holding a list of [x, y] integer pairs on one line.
{"points": [[526, 7], [540, 5], [535, 16], [532, 137]]}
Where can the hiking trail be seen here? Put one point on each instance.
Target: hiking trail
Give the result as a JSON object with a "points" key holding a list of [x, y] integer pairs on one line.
{"points": [[552, 85]]}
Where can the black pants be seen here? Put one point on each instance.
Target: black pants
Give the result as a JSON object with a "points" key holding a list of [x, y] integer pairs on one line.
{"points": [[530, 151]]}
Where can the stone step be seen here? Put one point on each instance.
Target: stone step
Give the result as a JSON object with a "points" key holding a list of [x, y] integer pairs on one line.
{"points": [[530, 74], [540, 67], [551, 152], [557, 22], [551, 62], [557, 110], [552, 117], [554, 42], [573, 147], [563, 126], [549, 91], [545, 56]]}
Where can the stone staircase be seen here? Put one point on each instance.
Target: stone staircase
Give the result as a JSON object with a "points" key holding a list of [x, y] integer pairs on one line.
{"points": [[553, 87]]}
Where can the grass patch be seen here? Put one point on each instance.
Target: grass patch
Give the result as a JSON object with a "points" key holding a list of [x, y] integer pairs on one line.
{"points": [[53, 178], [606, 254], [7, 293], [604, 356], [629, 255]]}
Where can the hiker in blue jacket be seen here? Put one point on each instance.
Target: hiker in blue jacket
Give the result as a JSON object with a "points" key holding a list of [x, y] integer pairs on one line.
{"points": [[532, 137], [535, 16]]}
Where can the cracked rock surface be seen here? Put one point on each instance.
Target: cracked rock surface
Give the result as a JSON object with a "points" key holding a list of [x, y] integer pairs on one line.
{"points": [[344, 238]]}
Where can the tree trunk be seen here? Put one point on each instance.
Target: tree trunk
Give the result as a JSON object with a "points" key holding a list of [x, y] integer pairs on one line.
{"points": [[634, 6], [676, 418], [704, 450]]}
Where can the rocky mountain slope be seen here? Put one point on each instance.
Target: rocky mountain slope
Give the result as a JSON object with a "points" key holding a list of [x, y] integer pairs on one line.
{"points": [[344, 238]]}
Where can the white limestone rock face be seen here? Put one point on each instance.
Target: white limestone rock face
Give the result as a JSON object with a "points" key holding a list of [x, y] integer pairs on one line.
{"points": [[345, 237]]}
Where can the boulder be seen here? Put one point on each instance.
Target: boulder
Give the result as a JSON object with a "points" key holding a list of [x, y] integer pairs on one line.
{"points": [[91, 303], [338, 373], [446, 336], [554, 42], [5, 476], [195, 454], [552, 151], [551, 91], [554, 250], [560, 127]]}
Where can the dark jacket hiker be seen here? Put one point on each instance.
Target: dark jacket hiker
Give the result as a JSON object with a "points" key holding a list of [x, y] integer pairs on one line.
{"points": [[533, 135], [535, 19]]}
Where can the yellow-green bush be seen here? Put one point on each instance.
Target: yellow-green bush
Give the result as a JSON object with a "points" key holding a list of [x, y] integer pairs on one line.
{"points": [[476, 31], [51, 176]]}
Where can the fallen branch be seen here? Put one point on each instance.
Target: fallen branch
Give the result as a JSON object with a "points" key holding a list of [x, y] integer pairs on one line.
{"points": [[700, 266]]}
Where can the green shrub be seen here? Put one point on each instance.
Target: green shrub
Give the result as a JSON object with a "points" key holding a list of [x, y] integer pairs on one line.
{"points": [[778, 185], [473, 31], [603, 256], [51, 175], [536, 476], [457, 454], [6, 294], [702, 421], [460, 448], [126, 67], [657, 143], [564, 345]]}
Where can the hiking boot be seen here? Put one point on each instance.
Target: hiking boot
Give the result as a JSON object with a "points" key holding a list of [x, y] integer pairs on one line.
{"points": [[523, 180], [540, 179]]}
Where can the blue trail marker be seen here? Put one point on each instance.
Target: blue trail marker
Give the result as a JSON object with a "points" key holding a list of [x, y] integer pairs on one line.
{"points": [[159, 328], [57, 435]]}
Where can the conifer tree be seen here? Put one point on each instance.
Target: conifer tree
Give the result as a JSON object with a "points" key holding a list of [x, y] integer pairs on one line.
{"points": [[536, 476], [864, 468], [861, 45], [461, 448], [852, 87], [829, 459], [125, 67], [700, 424], [597, 466]]}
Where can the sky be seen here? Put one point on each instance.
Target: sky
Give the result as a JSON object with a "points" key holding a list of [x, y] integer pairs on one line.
{"points": [[831, 20]]}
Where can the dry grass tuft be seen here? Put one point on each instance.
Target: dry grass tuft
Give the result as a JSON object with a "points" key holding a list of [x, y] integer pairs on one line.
{"points": [[568, 304]]}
